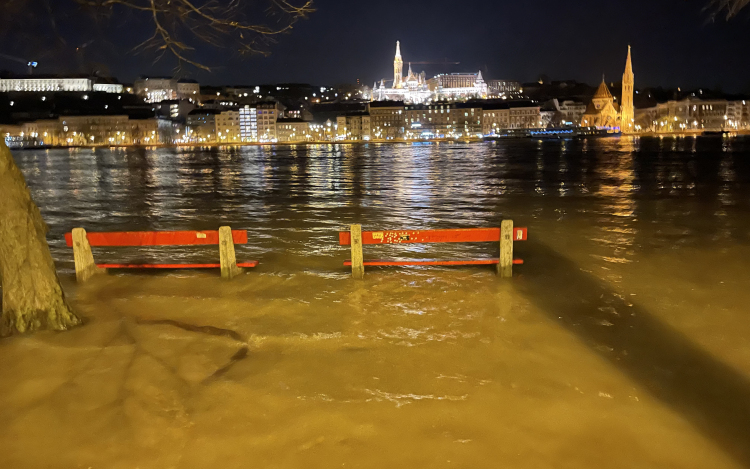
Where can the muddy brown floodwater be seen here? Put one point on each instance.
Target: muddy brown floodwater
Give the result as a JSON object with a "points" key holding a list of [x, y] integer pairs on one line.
{"points": [[622, 342]]}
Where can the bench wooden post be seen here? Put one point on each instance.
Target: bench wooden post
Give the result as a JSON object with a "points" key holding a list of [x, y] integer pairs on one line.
{"points": [[227, 257], [358, 268], [505, 266], [82, 256]]}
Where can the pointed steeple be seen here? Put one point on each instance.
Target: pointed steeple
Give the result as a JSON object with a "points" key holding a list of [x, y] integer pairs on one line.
{"points": [[479, 77], [410, 74], [398, 64], [629, 64], [628, 86]]}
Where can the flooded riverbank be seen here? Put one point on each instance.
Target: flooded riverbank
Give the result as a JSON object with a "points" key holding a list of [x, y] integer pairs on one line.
{"points": [[621, 342]]}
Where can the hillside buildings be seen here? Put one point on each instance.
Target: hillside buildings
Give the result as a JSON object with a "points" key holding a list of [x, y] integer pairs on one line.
{"points": [[67, 111]]}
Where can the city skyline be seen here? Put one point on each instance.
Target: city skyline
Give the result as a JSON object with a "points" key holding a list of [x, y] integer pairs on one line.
{"points": [[341, 43]]}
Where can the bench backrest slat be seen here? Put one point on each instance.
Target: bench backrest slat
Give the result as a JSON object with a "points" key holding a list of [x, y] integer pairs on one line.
{"points": [[470, 235], [157, 238]]}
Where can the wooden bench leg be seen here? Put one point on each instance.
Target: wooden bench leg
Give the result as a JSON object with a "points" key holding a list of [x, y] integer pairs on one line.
{"points": [[83, 257], [358, 268], [227, 257], [505, 266]]}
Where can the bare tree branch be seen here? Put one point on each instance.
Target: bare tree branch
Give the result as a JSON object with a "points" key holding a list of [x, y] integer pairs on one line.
{"points": [[728, 7], [179, 28], [181, 25]]}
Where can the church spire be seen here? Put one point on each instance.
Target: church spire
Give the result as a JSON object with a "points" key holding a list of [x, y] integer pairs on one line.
{"points": [[398, 66], [629, 64], [627, 117]]}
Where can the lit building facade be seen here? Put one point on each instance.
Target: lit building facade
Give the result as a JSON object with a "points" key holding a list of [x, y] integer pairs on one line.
{"points": [[497, 118], [45, 84], [155, 90], [267, 115], [144, 131], [248, 124], [96, 130], [416, 88], [228, 127], [353, 127], [458, 86], [45, 132], [571, 112], [504, 89], [693, 115], [443, 120], [738, 115], [386, 119], [114, 88], [189, 91], [201, 126], [293, 130]]}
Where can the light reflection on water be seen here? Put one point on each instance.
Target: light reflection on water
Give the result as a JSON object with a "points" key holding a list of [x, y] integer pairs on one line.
{"points": [[632, 301]]}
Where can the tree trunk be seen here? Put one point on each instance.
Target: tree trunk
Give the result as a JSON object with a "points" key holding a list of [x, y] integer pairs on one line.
{"points": [[32, 296]]}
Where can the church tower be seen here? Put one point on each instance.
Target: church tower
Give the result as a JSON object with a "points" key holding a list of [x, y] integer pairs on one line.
{"points": [[398, 66], [627, 116]]}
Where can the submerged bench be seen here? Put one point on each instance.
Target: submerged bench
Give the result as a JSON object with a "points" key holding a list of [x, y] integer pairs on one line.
{"points": [[506, 235], [225, 237]]}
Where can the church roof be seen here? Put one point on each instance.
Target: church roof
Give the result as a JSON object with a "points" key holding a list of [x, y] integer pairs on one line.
{"points": [[603, 92], [592, 110]]}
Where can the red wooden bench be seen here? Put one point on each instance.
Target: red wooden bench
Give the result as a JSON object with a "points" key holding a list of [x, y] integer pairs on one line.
{"points": [[506, 235], [225, 237]]}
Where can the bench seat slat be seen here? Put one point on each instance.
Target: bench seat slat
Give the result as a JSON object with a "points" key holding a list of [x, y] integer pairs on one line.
{"points": [[173, 266], [157, 238], [463, 235], [383, 262]]}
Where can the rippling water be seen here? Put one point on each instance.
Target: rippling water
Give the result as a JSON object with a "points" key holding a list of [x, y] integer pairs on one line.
{"points": [[622, 341]]}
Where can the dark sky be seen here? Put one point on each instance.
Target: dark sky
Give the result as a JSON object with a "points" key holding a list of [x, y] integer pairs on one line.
{"points": [[674, 43]]}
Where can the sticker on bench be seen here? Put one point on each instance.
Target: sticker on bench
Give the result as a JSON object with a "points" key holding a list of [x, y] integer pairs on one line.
{"points": [[377, 235], [200, 235]]}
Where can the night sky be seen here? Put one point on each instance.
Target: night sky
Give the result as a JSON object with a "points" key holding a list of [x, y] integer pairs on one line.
{"points": [[674, 44]]}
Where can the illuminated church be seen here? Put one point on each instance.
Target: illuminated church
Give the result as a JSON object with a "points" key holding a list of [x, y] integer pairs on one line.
{"points": [[410, 89], [604, 112], [416, 88]]}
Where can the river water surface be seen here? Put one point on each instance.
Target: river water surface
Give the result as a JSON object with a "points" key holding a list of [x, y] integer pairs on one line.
{"points": [[622, 342]]}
